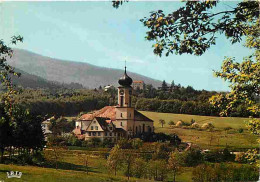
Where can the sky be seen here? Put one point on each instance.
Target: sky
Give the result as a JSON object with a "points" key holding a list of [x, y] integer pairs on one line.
{"points": [[97, 33]]}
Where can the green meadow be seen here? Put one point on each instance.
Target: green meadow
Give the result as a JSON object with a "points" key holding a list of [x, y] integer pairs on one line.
{"points": [[218, 138]]}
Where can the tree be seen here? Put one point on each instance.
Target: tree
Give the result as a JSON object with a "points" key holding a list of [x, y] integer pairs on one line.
{"points": [[84, 158], [193, 28], [115, 158], [171, 123], [164, 86], [172, 84], [60, 125], [7, 71], [175, 163], [55, 154], [158, 169], [139, 167], [128, 158], [162, 122]]}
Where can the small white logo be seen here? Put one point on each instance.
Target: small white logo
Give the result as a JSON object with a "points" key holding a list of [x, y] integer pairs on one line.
{"points": [[14, 174]]}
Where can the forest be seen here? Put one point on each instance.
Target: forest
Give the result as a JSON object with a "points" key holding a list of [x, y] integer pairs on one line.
{"points": [[168, 99]]}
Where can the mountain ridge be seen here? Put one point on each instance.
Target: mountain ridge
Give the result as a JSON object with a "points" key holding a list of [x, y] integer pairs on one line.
{"points": [[66, 71]]}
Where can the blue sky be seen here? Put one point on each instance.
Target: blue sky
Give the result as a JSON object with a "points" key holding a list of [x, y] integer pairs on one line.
{"points": [[96, 33]]}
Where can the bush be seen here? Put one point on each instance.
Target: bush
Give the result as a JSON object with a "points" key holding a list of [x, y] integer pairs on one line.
{"points": [[171, 123], [38, 159], [240, 130], [228, 128], [94, 142], [74, 141], [192, 157], [136, 143], [25, 159], [227, 156], [241, 157], [192, 121], [108, 143]]}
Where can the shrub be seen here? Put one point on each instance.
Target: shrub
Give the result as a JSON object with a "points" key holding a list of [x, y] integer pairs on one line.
{"points": [[192, 157], [227, 156], [94, 142], [240, 130], [192, 121], [241, 157], [228, 128], [38, 159], [213, 156], [108, 143], [25, 159], [171, 123], [136, 143]]}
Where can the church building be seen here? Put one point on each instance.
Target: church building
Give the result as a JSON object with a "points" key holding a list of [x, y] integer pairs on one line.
{"points": [[113, 122]]}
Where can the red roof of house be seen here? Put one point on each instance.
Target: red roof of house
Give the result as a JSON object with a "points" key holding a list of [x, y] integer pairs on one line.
{"points": [[138, 81]]}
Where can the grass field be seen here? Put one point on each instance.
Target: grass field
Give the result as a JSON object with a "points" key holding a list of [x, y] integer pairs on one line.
{"points": [[71, 169], [219, 138]]}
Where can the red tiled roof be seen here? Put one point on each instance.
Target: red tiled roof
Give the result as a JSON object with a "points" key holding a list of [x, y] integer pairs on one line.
{"points": [[109, 112], [105, 112], [138, 81]]}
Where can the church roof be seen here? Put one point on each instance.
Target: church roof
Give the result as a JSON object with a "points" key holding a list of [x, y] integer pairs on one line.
{"points": [[105, 112], [140, 117], [125, 80], [109, 113]]}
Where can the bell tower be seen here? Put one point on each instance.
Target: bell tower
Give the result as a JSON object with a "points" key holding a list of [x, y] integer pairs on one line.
{"points": [[124, 109], [125, 91]]}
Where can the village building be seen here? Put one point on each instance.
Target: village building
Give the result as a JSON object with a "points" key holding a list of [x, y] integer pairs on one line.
{"points": [[138, 84], [46, 128], [113, 122]]}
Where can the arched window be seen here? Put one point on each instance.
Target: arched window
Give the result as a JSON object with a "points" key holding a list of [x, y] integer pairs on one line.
{"points": [[121, 101]]}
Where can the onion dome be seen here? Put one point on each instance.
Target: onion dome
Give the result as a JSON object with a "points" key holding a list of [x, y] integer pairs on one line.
{"points": [[125, 80]]}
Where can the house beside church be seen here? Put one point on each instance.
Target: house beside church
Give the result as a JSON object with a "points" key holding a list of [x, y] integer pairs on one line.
{"points": [[113, 122]]}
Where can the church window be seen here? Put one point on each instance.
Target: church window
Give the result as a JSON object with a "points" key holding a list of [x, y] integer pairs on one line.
{"points": [[121, 100], [96, 127], [92, 127], [121, 114], [121, 124]]}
